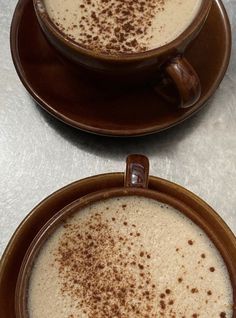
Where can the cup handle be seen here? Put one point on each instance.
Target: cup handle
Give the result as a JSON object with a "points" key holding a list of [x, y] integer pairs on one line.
{"points": [[137, 171], [186, 80]]}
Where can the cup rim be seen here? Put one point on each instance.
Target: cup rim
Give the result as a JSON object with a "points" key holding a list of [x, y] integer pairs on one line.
{"points": [[184, 207], [46, 23]]}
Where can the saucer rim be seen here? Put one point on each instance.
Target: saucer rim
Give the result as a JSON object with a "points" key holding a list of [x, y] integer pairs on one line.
{"points": [[115, 177], [123, 132]]}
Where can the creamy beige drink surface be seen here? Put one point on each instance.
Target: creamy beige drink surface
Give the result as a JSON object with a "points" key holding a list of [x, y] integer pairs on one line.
{"points": [[129, 257], [122, 26]]}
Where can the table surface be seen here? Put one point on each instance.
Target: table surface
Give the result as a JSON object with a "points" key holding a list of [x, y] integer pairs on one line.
{"points": [[39, 154]]}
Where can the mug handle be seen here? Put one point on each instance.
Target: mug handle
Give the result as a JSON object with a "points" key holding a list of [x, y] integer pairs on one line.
{"points": [[186, 80], [137, 171]]}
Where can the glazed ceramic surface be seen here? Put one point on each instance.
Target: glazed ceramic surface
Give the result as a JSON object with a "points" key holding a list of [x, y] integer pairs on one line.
{"points": [[137, 66], [26, 232], [87, 102]]}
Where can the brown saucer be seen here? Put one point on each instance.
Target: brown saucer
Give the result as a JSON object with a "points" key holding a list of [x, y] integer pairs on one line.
{"points": [[73, 98]]}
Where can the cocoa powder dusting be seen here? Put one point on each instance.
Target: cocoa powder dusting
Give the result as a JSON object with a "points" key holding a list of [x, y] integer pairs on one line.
{"points": [[107, 272], [98, 273], [115, 27]]}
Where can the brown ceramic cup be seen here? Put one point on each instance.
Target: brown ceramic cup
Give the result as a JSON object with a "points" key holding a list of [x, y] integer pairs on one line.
{"points": [[136, 183], [168, 59]]}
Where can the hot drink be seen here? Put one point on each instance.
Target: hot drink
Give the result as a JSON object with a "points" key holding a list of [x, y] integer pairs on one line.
{"points": [[129, 257], [119, 26]]}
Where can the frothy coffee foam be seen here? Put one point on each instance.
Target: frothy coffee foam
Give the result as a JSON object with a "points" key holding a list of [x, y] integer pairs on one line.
{"points": [[121, 26], [129, 257]]}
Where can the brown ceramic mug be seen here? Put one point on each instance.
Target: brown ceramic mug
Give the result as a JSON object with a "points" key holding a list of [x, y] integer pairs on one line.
{"points": [[136, 183], [168, 59]]}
